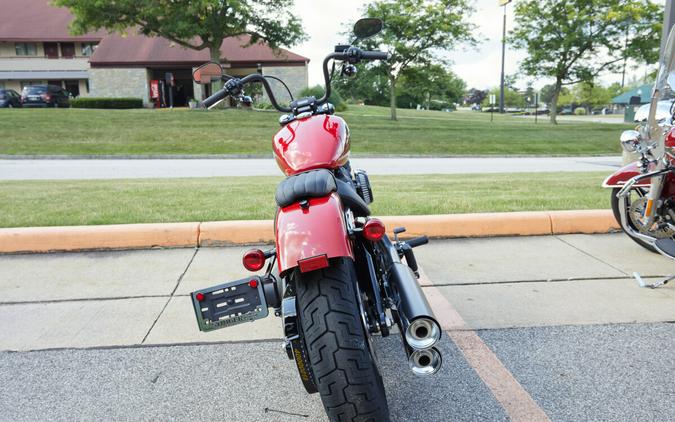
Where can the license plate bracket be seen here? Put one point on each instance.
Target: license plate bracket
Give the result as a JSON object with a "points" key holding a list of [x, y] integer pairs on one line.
{"points": [[229, 304]]}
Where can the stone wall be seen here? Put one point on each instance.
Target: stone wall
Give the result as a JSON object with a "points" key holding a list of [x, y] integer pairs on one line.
{"points": [[294, 76], [119, 82]]}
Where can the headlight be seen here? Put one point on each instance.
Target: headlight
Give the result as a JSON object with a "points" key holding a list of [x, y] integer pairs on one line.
{"points": [[630, 139]]}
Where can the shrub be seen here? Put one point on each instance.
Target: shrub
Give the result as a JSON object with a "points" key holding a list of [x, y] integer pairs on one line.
{"points": [[107, 103], [317, 91], [580, 111]]}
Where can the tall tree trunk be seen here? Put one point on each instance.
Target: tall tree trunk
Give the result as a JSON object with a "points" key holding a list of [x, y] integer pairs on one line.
{"points": [[214, 53], [554, 101], [392, 96]]}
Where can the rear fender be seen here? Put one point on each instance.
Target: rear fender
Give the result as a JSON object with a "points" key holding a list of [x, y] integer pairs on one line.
{"points": [[316, 230], [623, 175]]}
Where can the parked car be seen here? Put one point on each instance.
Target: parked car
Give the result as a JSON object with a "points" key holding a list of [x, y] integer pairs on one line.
{"points": [[45, 96], [9, 98], [566, 111], [476, 107]]}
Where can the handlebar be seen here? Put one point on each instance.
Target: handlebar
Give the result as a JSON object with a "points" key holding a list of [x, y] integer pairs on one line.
{"points": [[234, 86], [352, 55]]}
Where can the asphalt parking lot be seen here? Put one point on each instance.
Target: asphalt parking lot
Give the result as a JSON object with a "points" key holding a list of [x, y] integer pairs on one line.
{"points": [[551, 325]]}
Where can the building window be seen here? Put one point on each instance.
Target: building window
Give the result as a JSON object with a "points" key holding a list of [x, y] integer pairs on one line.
{"points": [[2, 84], [88, 48], [26, 49]]}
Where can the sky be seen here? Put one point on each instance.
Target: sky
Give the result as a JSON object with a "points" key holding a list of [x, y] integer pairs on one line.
{"points": [[479, 66]]}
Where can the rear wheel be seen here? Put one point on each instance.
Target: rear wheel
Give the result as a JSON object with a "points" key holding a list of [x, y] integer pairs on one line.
{"points": [[345, 371]]}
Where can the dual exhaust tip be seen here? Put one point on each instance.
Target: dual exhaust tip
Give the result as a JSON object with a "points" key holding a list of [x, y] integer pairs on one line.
{"points": [[421, 335]]}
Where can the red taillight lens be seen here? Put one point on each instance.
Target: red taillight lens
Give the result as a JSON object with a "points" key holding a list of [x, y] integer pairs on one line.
{"points": [[670, 139], [46, 97], [254, 259], [313, 263], [374, 229]]}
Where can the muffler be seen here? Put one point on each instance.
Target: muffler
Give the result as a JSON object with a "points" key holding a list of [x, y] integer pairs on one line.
{"points": [[419, 328], [425, 362]]}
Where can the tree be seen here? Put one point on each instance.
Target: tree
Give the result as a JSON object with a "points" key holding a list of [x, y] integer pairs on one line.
{"points": [[425, 83], [415, 31], [573, 41], [370, 85], [195, 24], [512, 98], [475, 96]]}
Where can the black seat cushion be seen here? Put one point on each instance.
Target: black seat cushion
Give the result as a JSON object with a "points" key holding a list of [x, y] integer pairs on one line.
{"points": [[310, 184], [351, 199]]}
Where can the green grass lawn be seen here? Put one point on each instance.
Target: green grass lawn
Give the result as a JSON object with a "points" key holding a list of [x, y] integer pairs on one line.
{"points": [[158, 132], [55, 203]]}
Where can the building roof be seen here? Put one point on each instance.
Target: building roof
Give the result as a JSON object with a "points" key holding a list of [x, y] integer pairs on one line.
{"points": [[644, 92], [38, 20], [140, 50]]}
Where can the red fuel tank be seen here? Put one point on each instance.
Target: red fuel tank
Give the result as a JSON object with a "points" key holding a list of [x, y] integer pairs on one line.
{"points": [[320, 141]]}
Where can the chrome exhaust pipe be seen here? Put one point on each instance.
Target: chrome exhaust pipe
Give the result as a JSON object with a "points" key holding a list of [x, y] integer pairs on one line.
{"points": [[425, 362], [422, 333], [419, 328]]}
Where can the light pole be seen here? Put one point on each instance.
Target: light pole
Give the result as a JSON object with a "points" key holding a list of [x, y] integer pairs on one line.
{"points": [[501, 86]]}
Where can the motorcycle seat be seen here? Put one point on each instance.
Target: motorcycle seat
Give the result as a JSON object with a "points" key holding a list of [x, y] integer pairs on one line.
{"points": [[317, 184], [310, 184]]}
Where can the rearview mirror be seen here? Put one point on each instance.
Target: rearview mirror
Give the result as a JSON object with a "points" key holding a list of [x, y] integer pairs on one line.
{"points": [[208, 73], [367, 27]]}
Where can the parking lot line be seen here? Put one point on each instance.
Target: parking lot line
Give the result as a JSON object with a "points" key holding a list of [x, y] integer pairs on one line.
{"points": [[510, 394]]}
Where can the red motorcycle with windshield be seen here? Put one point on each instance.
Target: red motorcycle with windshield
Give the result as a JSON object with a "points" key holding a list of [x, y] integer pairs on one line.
{"points": [[643, 193], [334, 276]]}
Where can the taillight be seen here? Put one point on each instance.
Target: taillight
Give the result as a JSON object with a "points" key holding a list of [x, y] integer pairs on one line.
{"points": [[46, 97], [254, 260], [374, 229], [313, 263]]}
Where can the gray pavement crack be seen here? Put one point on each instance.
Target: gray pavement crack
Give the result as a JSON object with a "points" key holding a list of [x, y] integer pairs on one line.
{"points": [[180, 278], [592, 256]]}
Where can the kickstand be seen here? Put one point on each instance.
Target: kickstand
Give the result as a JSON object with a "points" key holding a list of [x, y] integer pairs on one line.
{"points": [[654, 285]]}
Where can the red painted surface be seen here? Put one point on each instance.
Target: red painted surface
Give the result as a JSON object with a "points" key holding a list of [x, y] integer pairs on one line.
{"points": [[670, 139], [623, 175], [320, 141], [306, 233]]}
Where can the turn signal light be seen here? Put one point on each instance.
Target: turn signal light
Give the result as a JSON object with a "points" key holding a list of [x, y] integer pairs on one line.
{"points": [[254, 260], [374, 229]]}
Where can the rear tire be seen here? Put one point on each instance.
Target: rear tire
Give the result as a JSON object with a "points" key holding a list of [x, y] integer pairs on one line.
{"points": [[617, 215], [345, 372]]}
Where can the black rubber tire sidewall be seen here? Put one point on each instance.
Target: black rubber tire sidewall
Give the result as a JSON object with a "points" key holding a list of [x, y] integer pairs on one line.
{"points": [[617, 215], [346, 375]]}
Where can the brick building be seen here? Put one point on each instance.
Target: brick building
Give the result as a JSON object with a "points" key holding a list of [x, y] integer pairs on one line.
{"points": [[37, 48]]}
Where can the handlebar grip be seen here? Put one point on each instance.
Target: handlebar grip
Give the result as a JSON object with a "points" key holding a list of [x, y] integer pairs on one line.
{"points": [[215, 98], [374, 55], [418, 241]]}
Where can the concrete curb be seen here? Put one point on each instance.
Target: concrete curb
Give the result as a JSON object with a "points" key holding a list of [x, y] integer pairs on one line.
{"points": [[220, 233]]}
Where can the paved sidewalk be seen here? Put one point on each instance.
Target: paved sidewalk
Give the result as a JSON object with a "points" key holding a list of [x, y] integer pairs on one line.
{"points": [[561, 313], [168, 168]]}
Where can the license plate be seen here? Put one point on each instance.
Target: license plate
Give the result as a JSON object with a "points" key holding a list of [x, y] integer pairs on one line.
{"points": [[34, 98], [230, 304]]}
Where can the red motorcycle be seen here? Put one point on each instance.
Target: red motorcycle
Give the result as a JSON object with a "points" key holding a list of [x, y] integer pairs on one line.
{"points": [[643, 193], [334, 277]]}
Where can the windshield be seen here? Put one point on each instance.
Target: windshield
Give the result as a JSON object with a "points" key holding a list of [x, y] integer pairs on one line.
{"points": [[663, 91], [35, 90]]}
